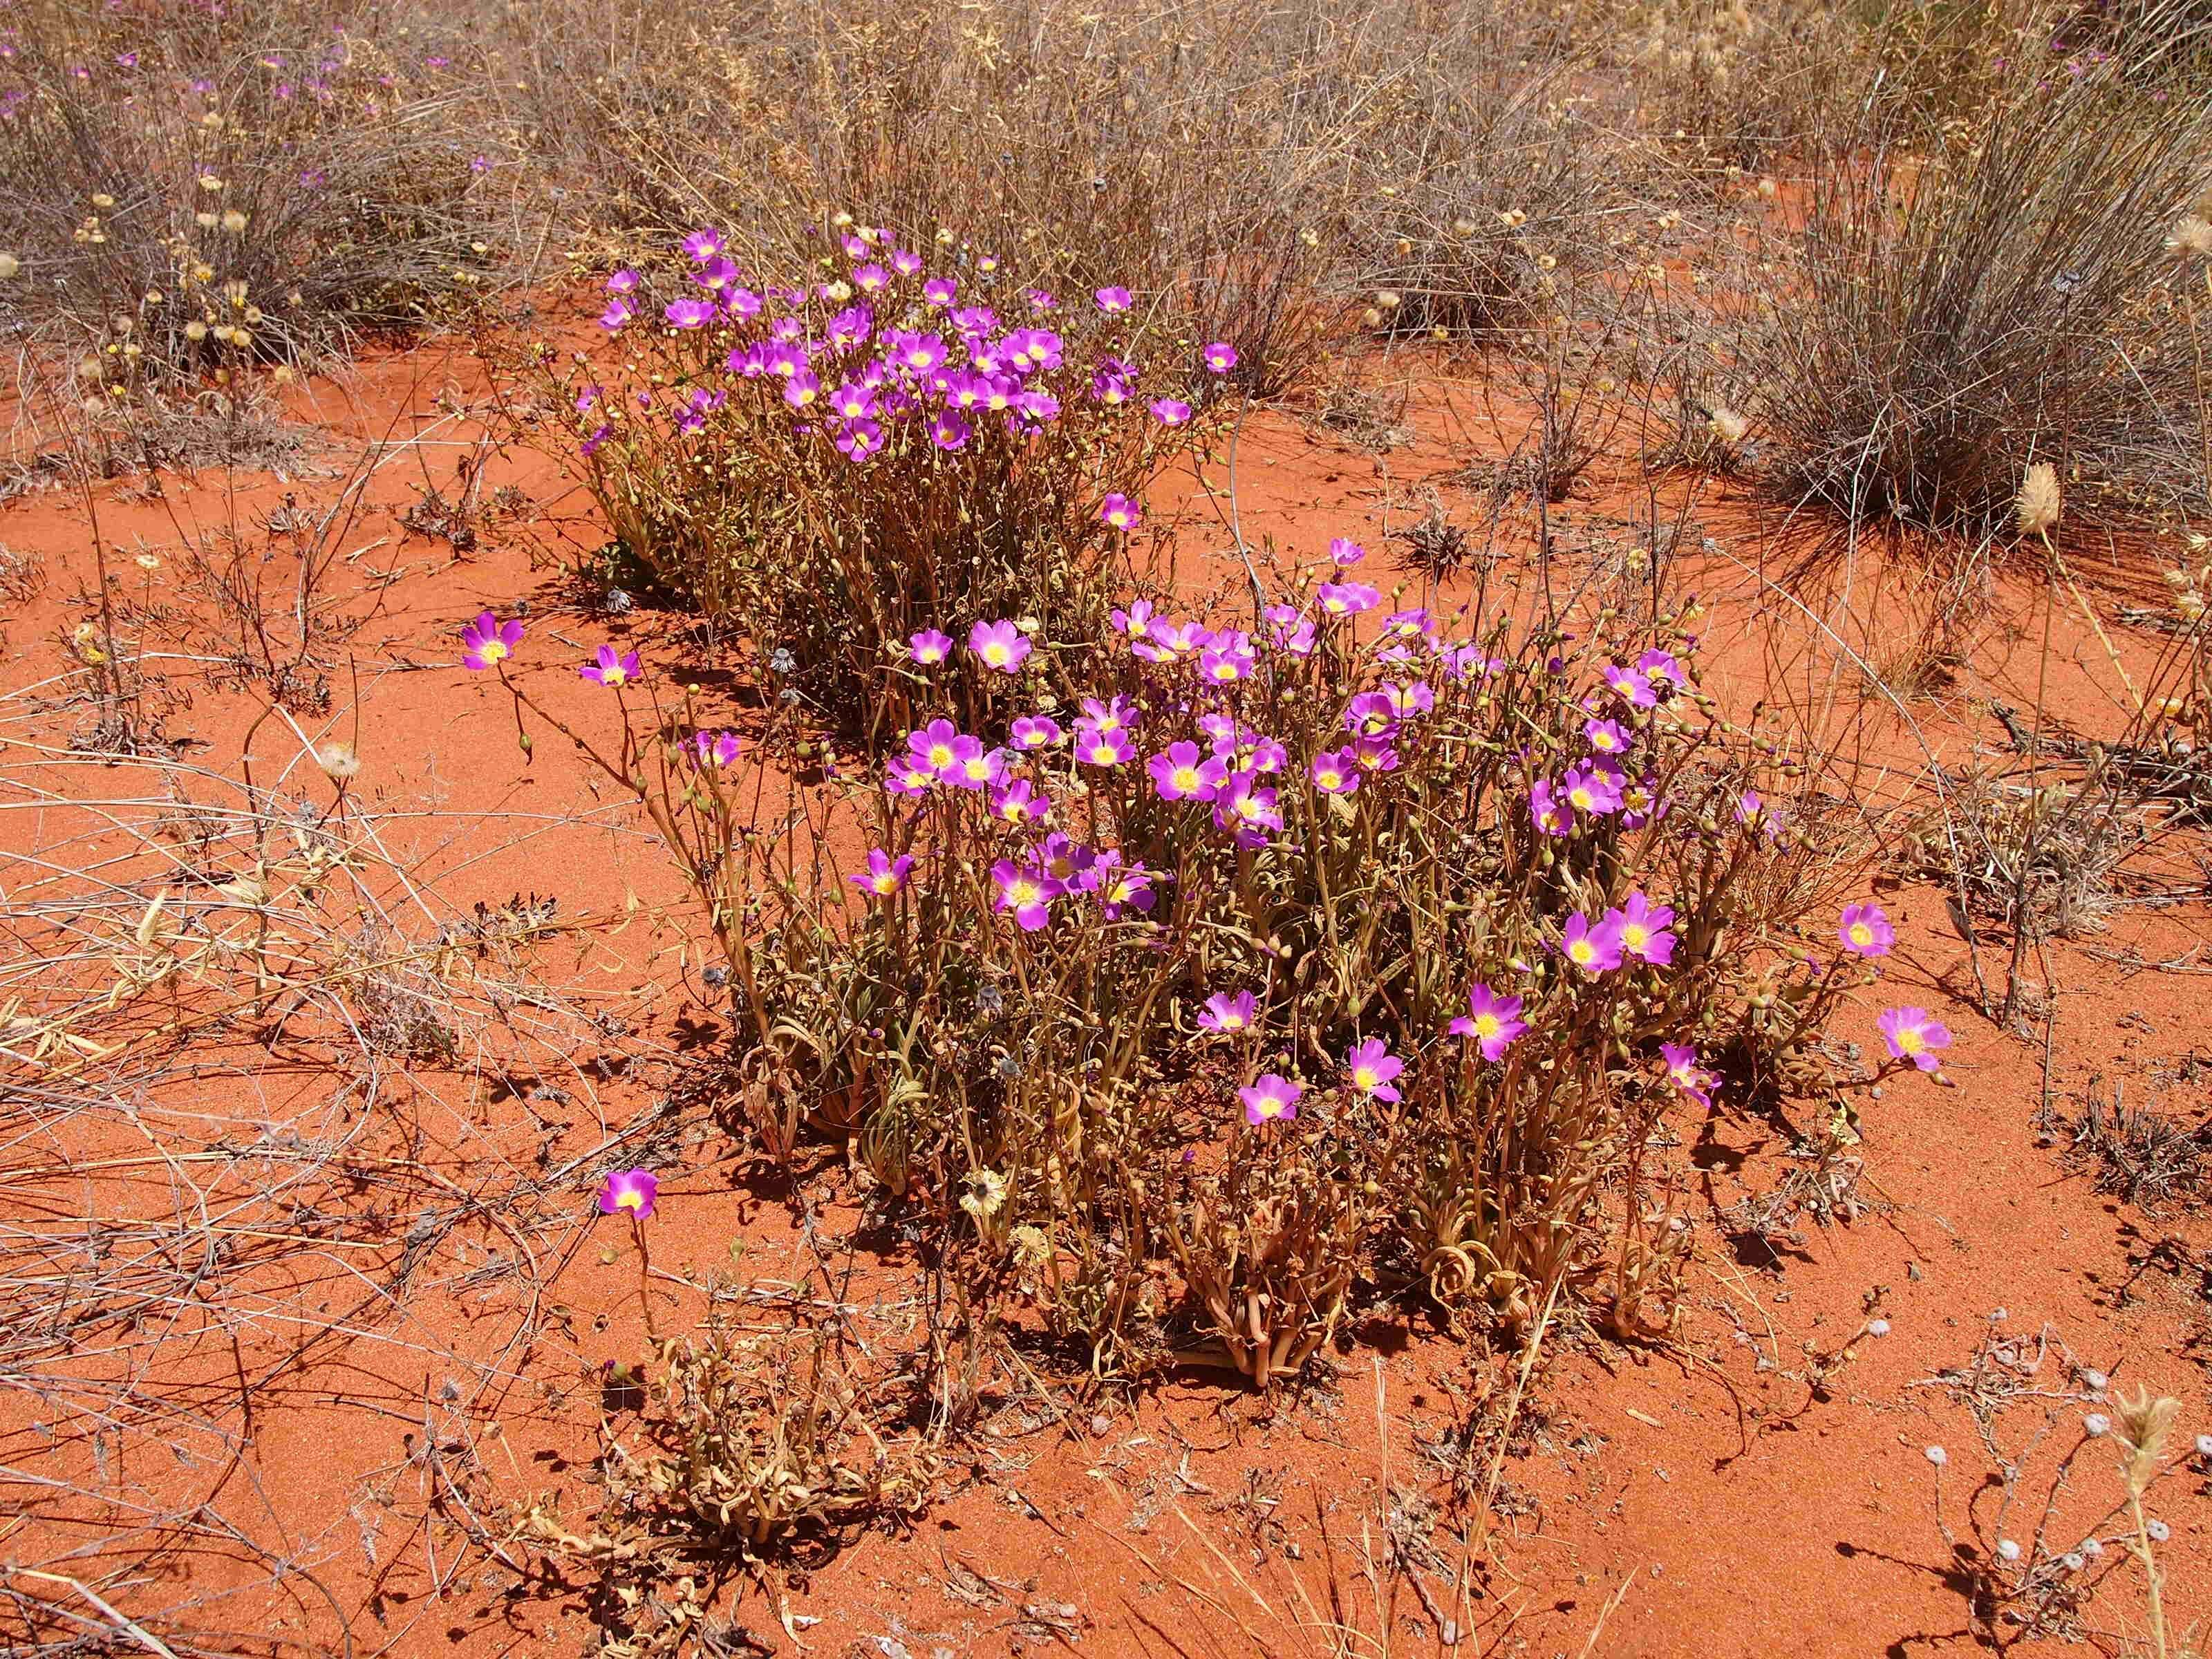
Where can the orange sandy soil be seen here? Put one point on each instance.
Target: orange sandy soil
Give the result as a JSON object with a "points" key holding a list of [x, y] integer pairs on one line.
{"points": [[1697, 1497]]}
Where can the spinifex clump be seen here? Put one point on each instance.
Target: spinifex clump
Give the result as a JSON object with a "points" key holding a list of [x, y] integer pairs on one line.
{"points": [[1273, 959], [834, 466]]}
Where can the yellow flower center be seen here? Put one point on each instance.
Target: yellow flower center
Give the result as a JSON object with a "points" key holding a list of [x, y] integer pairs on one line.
{"points": [[1363, 1076], [1487, 1025], [1186, 777], [1022, 892], [1583, 951], [492, 651], [940, 755], [1633, 934], [1102, 753], [1328, 777], [886, 884], [630, 1199], [1910, 1040], [1861, 933]]}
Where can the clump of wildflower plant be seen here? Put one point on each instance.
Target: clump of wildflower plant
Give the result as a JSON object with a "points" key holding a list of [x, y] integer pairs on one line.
{"points": [[863, 464], [1265, 951]]}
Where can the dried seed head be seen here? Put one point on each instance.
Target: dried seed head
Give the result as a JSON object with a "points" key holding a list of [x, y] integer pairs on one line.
{"points": [[1726, 425], [2191, 236], [2038, 503], [2142, 1426], [337, 760]]}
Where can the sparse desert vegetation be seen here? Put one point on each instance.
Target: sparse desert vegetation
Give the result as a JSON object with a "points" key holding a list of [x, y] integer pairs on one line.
{"points": [[1260, 826]]}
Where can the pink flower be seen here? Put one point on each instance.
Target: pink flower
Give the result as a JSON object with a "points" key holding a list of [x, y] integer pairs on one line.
{"points": [[1220, 358], [1123, 887], [1034, 732], [1606, 737], [1113, 300], [1913, 1034], [908, 776], [1171, 642], [1227, 1014], [1865, 931], [1120, 512], [1016, 803], [611, 669], [1028, 894], [1371, 714], [977, 768], [1344, 552], [1371, 1068], [633, 1190], [1642, 927], [1117, 713], [1686, 1074], [1171, 412], [1335, 773], [929, 646], [1095, 747], [1590, 792], [1136, 621], [1594, 948], [1246, 807], [1552, 817], [488, 642], [884, 875], [1182, 773], [1347, 598], [939, 747], [1271, 1097], [1655, 665], [1629, 684], [716, 748], [1228, 659], [1492, 1020], [999, 645]]}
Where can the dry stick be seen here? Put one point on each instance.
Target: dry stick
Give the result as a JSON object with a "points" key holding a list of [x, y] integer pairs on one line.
{"points": [[2090, 615], [123, 1622], [2034, 813], [2153, 1599], [1606, 1612]]}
